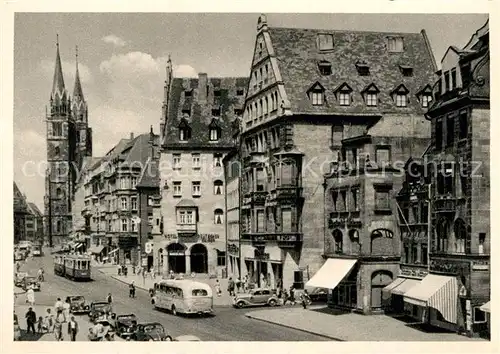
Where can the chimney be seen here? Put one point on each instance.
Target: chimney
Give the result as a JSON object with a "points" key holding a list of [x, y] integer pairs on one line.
{"points": [[131, 136], [202, 87]]}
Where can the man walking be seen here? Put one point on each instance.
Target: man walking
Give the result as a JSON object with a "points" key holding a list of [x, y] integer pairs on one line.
{"points": [[30, 320], [72, 329]]}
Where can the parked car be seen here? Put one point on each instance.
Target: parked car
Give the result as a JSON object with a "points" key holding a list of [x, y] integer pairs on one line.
{"points": [[256, 297], [19, 277], [125, 325], [77, 304], [187, 338], [153, 331], [98, 310], [31, 281], [318, 295]]}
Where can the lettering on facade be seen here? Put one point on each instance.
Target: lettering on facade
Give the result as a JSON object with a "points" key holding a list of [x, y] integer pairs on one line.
{"points": [[261, 255], [480, 265], [208, 238], [447, 266], [414, 272], [287, 238], [233, 249]]}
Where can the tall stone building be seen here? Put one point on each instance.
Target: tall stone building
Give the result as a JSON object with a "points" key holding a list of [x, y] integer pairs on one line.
{"points": [[195, 137], [315, 95], [452, 295], [21, 211], [69, 140]]}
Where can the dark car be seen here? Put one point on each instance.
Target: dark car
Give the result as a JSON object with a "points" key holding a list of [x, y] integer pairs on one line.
{"points": [[318, 295], [30, 281], [256, 297], [98, 310], [153, 331], [126, 325], [77, 304]]}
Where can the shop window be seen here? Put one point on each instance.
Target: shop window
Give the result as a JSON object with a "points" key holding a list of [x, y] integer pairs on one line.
{"points": [[221, 258], [479, 315]]}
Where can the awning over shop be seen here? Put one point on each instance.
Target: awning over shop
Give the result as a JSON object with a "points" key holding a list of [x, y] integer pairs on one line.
{"points": [[96, 249], [405, 286], [394, 284], [331, 273], [437, 291], [486, 307]]}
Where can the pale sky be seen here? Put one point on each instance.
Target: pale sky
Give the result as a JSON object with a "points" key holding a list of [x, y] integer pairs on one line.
{"points": [[122, 64]]}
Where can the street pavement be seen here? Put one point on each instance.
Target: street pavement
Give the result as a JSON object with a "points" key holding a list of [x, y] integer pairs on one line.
{"points": [[348, 326], [228, 324]]}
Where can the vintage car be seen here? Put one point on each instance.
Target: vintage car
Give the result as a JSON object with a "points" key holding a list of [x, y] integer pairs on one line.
{"points": [[99, 310], [19, 277], [187, 338], [30, 281], [106, 333], [77, 304], [153, 331], [318, 295], [256, 297], [125, 325]]}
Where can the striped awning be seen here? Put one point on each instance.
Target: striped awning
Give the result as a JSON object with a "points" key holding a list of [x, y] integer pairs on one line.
{"points": [[437, 291], [486, 307]]}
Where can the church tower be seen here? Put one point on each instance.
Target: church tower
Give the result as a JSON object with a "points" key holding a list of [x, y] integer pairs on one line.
{"points": [[63, 153]]}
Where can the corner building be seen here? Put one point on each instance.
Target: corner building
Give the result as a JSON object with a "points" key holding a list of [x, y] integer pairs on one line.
{"points": [[454, 293], [313, 96], [195, 137]]}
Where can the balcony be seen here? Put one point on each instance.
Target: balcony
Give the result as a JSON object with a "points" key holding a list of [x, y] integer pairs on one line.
{"points": [[283, 239], [186, 229], [289, 192], [445, 204]]}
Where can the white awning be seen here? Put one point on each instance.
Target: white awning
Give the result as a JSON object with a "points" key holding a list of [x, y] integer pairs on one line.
{"points": [[486, 307], [405, 286], [394, 284], [437, 291], [331, 273]]}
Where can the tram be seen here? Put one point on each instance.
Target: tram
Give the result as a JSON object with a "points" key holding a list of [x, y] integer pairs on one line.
{"points": [[75, 267]]}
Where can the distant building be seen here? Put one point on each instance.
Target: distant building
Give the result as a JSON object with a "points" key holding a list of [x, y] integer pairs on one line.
{"points": [[458, 163], [317, 98], [195, 137], [21, 210], [69, 141], [34, 224]]}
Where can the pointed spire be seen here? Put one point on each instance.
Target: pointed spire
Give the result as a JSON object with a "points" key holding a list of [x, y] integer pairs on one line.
{"points": [[58, 84], [77, 91]]}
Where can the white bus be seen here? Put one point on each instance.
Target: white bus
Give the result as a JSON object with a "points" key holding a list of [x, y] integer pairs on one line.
{"points": [[183, 296]]}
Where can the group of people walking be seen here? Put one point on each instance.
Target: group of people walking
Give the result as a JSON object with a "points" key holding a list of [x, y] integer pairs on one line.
{"points": [[53, 321]]}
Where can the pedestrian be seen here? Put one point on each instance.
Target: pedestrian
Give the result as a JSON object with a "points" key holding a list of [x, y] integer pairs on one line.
{"points": [[131, 291], [58, 305], [40, 326], [109, 299], [292, 295], [238, 284], [49, 321], [58, 330], [303, 300], [285, 296], [30, 320], [30, 296], [73, 329], [217, 288], [230, 287], [66, 310]]}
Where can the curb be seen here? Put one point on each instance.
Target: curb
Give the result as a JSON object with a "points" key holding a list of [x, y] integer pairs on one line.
{"points": [[127, 283], [249, 315]]}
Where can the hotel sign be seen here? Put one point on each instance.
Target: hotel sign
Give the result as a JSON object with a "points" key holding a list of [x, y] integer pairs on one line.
{"points": [[206, 238]]}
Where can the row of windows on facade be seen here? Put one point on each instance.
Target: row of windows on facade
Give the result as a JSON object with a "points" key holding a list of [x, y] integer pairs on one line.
{"points": [[450, 129], [59, 129], [98, 187], [347, 200], [261, 76], [218, 188], [371, 98], [263, 140], [416, 213], [191, 217], [325, 42], [258, 179], [217, 92], [263, 107], [458, 236], [447, 182], [269, 220], [415, 253], [355, 157], [214, 134], [353, 234], [449, 78], [196, 161]]}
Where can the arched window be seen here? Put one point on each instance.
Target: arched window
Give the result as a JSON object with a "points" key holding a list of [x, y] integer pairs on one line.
{"points": [[460, 235], [218, 216], [354, 235], [59, 226], [59, 192], [442, 231], [218, 184], [57, 151], [338, 238]]}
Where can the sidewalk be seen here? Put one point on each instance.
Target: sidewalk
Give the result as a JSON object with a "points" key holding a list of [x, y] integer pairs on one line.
{"points": [[347, 326], [40, 310], [148, 283]]}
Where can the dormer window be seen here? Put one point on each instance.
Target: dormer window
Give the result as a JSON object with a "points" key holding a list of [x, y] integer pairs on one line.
{"points": [[188, 93], [400, 96], [343, 94], [394, 44], [186, 112], [370, 95], [425, 96], [184, 131], [217, 92], [216, 112], [238, 112], [240, 92], [316, 94], [325, 41], [406, 70], [214, 131], [363, 69], [325, 67]]}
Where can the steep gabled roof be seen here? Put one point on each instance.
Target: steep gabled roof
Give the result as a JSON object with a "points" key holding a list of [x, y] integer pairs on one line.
{"points": [[150, 175], [34, 210], [20, 203], [297, 56], [201, 111]]}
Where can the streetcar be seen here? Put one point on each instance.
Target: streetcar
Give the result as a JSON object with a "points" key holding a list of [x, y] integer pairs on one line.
{"points": [[75, 267]]}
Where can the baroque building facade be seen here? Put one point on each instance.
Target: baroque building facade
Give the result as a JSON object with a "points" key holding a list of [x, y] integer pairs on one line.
{"points": [[69, 141], [457, 165], [195, 137]]}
